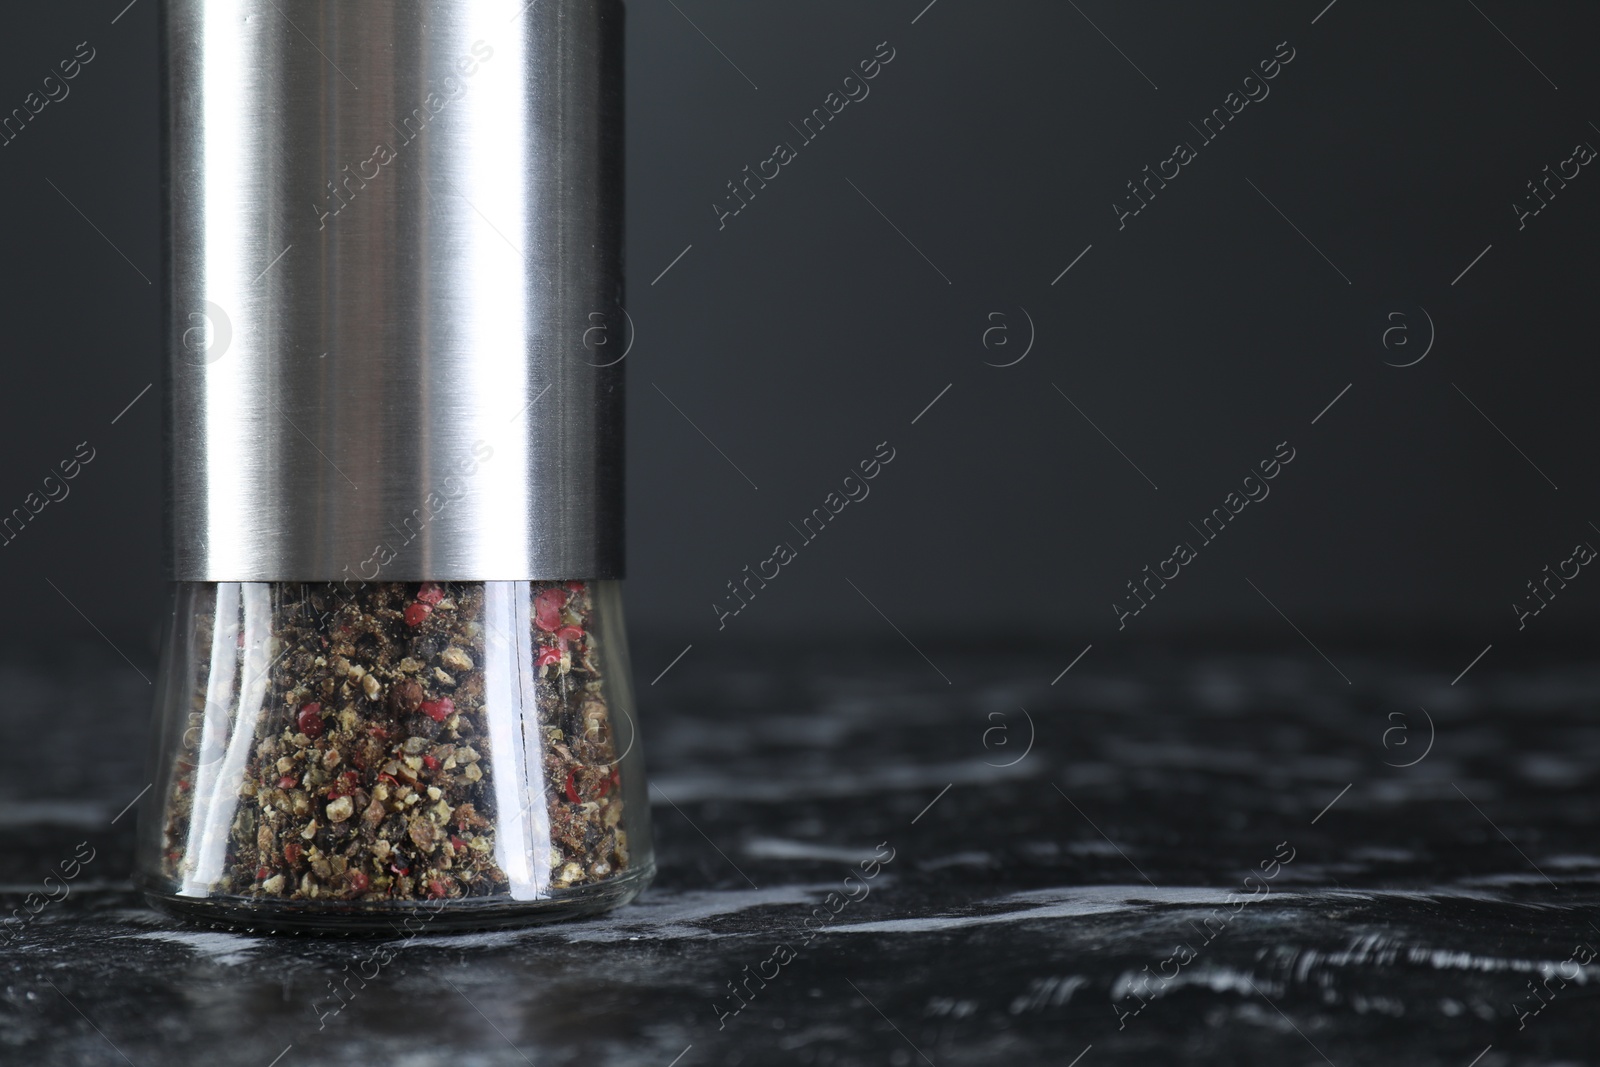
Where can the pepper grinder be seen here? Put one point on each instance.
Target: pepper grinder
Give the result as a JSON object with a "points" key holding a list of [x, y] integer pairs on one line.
{"points": [[395, 681]]}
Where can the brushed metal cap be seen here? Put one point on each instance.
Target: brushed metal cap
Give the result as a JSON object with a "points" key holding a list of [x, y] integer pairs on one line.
{"points": [[394, 284]]}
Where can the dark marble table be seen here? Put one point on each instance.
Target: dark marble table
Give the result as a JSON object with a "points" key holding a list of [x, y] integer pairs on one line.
{"points": [[1202, 858]]}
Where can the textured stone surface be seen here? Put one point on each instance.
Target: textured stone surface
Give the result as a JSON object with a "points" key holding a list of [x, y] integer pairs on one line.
{"points": [[1013, 924]]}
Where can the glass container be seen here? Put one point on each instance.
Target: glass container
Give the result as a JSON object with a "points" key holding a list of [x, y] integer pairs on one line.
{"points": [[454, 753]]}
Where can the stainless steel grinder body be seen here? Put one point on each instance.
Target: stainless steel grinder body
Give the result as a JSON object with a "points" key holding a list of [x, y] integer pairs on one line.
{"points": [[394, 278]]}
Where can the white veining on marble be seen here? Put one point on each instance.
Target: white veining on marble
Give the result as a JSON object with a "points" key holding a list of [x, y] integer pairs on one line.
{"points": [[835, 781], [777, 848], [216, 946]]}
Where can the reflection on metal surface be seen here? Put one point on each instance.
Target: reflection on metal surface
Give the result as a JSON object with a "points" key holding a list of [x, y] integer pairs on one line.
{"points": [[448, 229]]}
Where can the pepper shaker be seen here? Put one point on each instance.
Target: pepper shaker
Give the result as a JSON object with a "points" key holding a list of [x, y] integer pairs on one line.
{"points": [[395, 682]]}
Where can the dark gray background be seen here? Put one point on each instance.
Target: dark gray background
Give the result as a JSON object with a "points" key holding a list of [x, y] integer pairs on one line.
{"points": [[809, 330]]}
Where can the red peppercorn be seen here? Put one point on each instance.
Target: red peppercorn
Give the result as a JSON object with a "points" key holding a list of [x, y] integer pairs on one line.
{"points": [[358, 881], [430, 763], [430, 593], [569, 635], [576, 587], [415, 613], [262, 874], [288, 781], [547, 609], [439, 710], [547, 656], [397, 869], [456, 843], [292, 852], [310, 720], [572, 791], [436, 889]]}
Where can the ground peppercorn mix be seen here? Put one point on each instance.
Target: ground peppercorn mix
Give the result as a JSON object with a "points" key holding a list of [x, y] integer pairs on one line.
{"points": [[365, 749]]}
